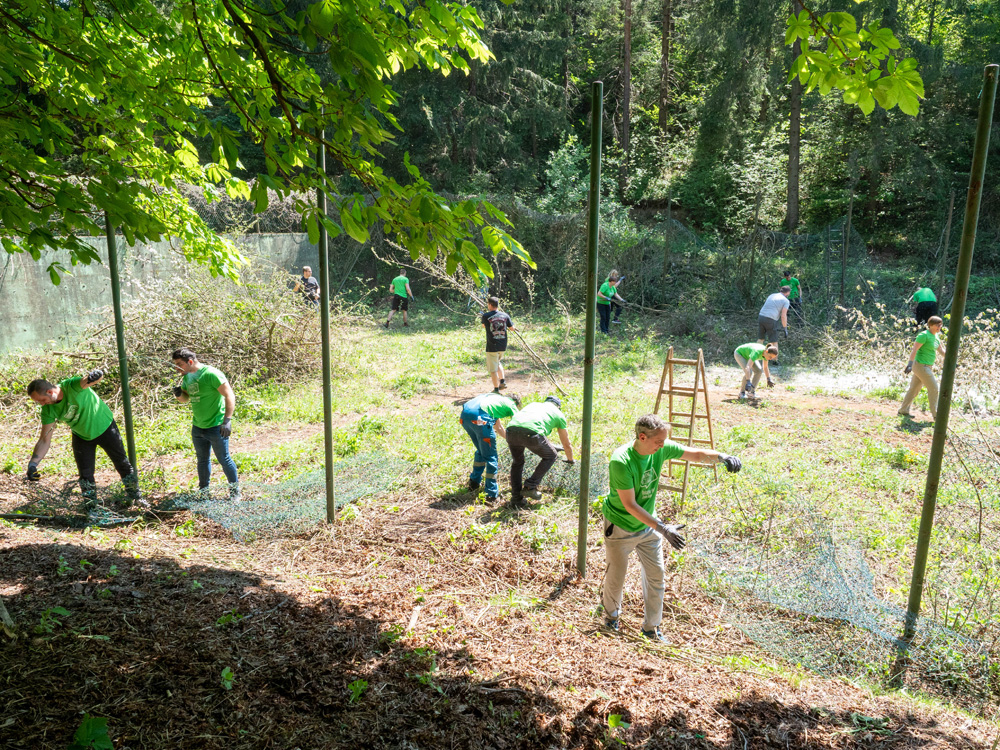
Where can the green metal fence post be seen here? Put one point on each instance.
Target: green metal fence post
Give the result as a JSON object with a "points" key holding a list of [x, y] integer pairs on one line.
{"points": [[972, 202], [116, 302], [324, 324], [593, 226]]}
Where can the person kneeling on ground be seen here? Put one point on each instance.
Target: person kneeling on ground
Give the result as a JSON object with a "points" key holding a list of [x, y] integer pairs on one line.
{"points": [[922, 357], [753, 359], [481, 419], [529, 429], [630, 521], [90, 420], [212, 405]]}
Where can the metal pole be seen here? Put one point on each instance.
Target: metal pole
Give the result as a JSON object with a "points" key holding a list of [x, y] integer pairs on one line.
{"points": [[116, 302], [972, 202], [324, 327], [593, 228]]}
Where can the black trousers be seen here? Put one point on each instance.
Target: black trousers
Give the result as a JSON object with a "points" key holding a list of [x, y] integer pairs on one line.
{"points": [[85, 453], [519, 438], [616, 309], [605, 313], [924, 311]]}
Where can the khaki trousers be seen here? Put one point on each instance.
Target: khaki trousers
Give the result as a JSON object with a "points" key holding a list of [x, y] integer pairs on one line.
{"points": [[648, 545], [922, 377]]}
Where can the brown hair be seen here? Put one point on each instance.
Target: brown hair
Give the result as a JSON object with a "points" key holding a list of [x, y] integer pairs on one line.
{"points": [[649, 425]]}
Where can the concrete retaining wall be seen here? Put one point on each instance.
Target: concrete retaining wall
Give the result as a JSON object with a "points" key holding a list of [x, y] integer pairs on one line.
{"points": [[34, 312]]}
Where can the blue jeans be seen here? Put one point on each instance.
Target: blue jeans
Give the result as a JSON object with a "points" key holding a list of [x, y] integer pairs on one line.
{"points": [[208, 440], [484, 437]]}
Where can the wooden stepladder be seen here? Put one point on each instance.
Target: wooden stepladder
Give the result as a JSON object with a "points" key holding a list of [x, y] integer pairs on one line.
{"points": [[686, 405]]}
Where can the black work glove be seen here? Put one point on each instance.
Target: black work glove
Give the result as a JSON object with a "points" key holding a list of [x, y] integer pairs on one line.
{"points": [[33, 475], [785, 331], [770, 383], [732, 463], [94, 375], [750, 388], [226, 428], [672, 533], [909, 368], [178, 391]]}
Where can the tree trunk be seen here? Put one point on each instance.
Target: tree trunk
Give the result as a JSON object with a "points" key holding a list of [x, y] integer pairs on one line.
{"points": [[794, 131], [930, 23], [944, 252], [665, 41], [626, 82]]}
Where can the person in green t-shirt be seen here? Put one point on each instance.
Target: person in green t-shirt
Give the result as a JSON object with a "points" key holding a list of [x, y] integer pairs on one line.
{"points": [[927, 306], [630, 521], [923, 354], [481, 420], [605, 296], [74, 402], [616, 307], [401, 296], [795, 296], [752, 359], [212, 405], [529, 429]]}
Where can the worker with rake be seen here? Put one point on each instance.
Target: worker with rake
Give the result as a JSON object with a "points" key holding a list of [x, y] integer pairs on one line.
{"points": [[753, 359], [481, 419], [923, 354], [93, 425], [528, 429], [630, 521]]}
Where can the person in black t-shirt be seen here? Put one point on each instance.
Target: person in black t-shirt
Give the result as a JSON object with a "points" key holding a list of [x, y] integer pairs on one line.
{"points": [[309, 286], [496, 322]]}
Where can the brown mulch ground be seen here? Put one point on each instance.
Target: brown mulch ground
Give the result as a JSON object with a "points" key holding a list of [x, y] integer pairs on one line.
{"points": [[463, 643]]}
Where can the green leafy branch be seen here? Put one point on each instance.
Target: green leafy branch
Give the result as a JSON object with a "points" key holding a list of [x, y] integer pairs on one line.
{"points": [[858, 62]]}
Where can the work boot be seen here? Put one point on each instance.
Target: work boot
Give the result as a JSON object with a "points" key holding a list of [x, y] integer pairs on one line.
{"points": [[503, 385], [386, 324], [655, 636], [518, 503], [473, 486], [533, 493], [89, 492], [234, 492]]}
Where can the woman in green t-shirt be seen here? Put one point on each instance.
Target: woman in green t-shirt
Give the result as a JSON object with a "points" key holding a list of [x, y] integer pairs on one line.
{"points": [[922, 356], [752, 359]]}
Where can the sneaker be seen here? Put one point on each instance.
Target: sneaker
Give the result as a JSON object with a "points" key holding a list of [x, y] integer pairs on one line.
{"points": [[518, 503], [906, 414], [503, 385], [743, 395], [496, 390], [613, 624], [654, 635], [533, 493], [234, 493], [616, 322], [473, 486], [386, 324]]}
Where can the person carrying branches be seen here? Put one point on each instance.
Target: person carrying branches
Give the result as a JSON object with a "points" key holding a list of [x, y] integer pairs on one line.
{"points": [[795, 296], [401, 296], [923, 354], [753, 359], [605, 296], [630, 522], [74, 402], [481, 420]]}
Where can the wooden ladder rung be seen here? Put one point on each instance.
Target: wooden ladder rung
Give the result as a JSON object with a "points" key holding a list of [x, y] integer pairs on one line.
{"points": [[683, 361], [681, 425], [707, 466], [686, 392], [671, 488], [702, 441]]}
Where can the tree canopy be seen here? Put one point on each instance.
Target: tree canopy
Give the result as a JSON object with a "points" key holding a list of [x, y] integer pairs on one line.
{"points": [[101, 102]]}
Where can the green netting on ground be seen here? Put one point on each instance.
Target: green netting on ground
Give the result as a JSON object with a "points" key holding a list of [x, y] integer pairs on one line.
{"points": [[300, 503], [562, 477], [799, 592]]}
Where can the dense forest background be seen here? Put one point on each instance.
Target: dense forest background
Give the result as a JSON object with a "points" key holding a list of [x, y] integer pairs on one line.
{"points": [[700, 117]]}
